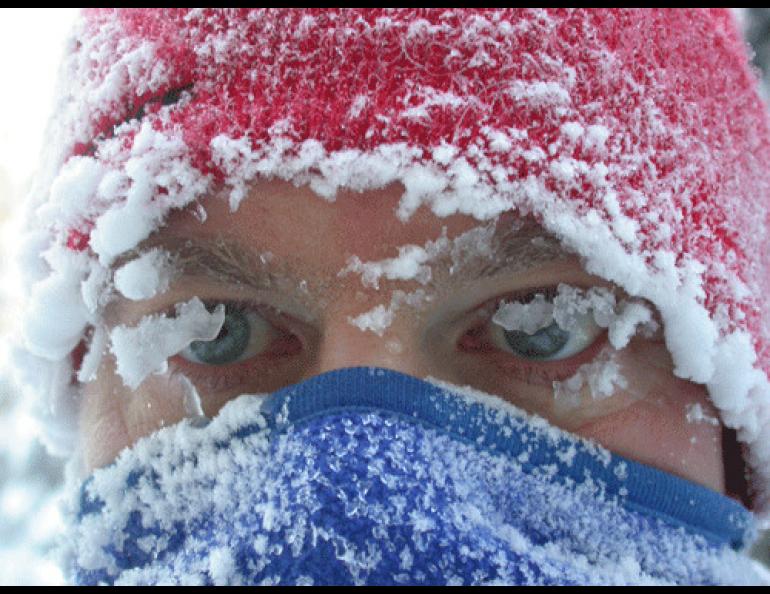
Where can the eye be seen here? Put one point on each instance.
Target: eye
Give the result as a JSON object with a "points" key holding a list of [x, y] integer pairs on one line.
{"points": [[244, 334], [529, 330]]}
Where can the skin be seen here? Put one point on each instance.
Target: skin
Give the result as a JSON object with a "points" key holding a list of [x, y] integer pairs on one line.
{"points": [[311, 301]]}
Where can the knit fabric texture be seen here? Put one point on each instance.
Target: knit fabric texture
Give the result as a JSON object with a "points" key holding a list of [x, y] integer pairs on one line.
{"points": [[367, 476]]}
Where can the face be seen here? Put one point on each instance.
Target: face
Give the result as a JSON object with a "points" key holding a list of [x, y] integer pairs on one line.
{"points": [[310, 286]]}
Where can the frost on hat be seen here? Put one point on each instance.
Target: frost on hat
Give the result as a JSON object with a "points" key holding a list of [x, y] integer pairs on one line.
{"points": [[636, 137]]}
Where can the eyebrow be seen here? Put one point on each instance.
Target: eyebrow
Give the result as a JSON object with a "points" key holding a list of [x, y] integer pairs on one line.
{"points": [[223, 259], [517, 245], [231, 263], [518, 248]]}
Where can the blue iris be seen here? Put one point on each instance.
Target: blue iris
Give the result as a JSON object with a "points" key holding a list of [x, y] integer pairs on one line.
{"points": [[543, 344], [230, 344]]}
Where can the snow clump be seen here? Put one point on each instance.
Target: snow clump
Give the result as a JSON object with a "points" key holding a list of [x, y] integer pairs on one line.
{"points": [[143, 349], [569, 308], [145, 276]]}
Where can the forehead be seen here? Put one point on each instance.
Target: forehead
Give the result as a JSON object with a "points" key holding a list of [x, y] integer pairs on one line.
{"points": [[313, 235]]}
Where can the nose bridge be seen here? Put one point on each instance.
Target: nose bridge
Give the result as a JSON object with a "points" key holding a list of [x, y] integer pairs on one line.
{"points": [[346, 345]]}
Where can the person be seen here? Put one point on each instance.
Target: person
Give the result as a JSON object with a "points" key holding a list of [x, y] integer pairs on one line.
{"points": [[381, 296]]}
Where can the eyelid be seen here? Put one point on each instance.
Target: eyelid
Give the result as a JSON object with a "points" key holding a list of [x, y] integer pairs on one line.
{"points": [[534, 371], [292, 334], [476, 339], [277, 317], [274, 296], [524, 295]]}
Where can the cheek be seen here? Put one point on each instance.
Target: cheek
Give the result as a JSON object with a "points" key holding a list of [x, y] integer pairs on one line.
{"points": [[655, 431], [102, 431], [113, 417]]}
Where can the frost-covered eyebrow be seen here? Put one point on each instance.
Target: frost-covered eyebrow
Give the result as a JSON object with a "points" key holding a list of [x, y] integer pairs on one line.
{"points": [[511, 247], [222, 259], [227, 263], [521, 248]]}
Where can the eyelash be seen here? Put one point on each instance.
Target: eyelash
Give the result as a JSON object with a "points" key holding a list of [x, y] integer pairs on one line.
{"points": [[475, 341], [231, 375]]}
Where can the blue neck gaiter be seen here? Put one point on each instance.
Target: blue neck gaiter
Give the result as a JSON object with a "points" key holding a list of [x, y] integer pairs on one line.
{"points": [[369, 476]]}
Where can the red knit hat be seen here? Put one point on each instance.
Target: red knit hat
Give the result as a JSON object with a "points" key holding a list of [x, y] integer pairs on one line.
{"points": [[635, 136]]}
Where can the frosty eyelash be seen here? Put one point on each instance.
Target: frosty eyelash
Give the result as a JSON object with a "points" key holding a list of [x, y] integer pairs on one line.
{"points": [[576, 324], [221, 367], [549, 342], [245, 333], [555, 330], [533, 348]]}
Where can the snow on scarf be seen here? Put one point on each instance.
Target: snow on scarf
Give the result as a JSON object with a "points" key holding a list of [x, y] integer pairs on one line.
{"points": [[369, 476]]}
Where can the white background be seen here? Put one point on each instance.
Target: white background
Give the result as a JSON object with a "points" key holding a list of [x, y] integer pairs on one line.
{"points": [[31, 42]]}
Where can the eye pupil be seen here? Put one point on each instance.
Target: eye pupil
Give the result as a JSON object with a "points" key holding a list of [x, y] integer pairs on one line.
{"points": [[544, 343], [229, 345]]}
